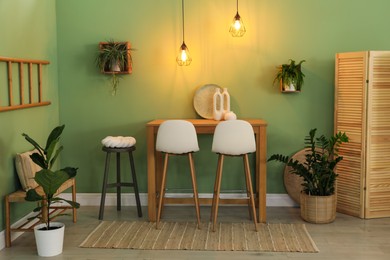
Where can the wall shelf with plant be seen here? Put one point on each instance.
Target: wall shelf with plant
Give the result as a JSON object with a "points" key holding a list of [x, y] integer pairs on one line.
{"points": [[290, 77], [113, 58]]}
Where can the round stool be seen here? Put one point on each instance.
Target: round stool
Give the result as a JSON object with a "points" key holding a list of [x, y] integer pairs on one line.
{"points": [[118, 184]]}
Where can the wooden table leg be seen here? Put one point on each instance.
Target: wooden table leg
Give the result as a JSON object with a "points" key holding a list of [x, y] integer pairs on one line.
{"points": [[151, 174], [262, 181]]}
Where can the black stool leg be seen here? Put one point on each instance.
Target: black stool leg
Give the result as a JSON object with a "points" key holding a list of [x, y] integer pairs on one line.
{"points": [[135, 185], [118, 181], [104, 189]]}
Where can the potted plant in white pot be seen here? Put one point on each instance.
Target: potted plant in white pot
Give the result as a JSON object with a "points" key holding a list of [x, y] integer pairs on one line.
{"points": [[290, 76], [318, 199], [49, 235]]}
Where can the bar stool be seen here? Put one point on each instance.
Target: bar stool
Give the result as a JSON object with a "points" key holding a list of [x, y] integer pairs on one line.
{"points": [[118, 184], [233, 138], [177, 137]]}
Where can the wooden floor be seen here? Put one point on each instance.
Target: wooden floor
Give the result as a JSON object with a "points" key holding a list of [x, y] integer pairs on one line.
{"points": [[346, 238]]}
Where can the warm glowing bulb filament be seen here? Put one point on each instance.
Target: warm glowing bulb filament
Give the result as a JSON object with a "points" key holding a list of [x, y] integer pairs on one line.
{"points": [[183, 55], [237, 25]]}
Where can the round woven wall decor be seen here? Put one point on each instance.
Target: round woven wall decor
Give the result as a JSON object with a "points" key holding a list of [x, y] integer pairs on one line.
{"points": [[293, 182]]}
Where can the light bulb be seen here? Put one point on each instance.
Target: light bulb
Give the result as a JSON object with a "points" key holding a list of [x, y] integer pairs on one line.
{"points": [[183, 55], [237, 25], [184, 58], [237, 28]]}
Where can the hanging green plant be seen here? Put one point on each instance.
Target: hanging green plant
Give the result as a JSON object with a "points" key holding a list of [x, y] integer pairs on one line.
{"points": [[114, 58], [290, 76]]}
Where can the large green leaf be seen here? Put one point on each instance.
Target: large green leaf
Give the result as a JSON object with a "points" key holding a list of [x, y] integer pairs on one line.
{"points": [[70, 202], [56, 155], [32, 195], [33, 142], [71, 171], [50, 150], [39, 160], [51, 181], [54, 135]]}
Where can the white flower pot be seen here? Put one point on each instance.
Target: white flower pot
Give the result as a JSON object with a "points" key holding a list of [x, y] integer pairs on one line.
{"points": [[49, 242]]}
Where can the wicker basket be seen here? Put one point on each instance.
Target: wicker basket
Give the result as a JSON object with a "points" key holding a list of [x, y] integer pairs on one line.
{"points": [[318, 209]]}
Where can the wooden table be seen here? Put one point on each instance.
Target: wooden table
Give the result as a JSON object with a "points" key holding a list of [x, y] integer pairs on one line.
{"points": [[205, 126]]}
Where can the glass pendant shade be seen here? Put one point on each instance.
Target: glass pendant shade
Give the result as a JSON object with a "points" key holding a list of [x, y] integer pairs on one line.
{"points": [[183, 58], [237, 28]]}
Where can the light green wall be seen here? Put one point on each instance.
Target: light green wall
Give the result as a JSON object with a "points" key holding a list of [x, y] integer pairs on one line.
{"points": [[276, 31], [28, 30]]}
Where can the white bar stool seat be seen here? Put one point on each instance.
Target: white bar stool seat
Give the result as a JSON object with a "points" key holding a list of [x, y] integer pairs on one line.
{"points": [[233, 138], [177, 137]]}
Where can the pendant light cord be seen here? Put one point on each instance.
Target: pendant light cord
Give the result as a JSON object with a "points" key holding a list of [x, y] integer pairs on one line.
{"points": [[182, 15], [237, 6]]}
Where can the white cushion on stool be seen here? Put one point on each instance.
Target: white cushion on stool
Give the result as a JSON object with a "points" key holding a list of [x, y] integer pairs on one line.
{"points": [[119, 141]]}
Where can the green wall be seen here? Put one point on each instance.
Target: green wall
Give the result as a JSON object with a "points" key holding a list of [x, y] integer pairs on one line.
{"points": [[28, 30], [276, 31]]}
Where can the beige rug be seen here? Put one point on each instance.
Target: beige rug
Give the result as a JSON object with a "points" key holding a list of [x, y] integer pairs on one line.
{"points": [[185, 236]]}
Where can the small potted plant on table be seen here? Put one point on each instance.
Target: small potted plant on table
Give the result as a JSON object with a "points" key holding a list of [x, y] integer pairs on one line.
{"points": [[318, 199], [49, 235]]}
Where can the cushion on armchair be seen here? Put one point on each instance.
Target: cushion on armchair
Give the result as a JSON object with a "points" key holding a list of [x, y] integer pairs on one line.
{"points": [[26, 169]]}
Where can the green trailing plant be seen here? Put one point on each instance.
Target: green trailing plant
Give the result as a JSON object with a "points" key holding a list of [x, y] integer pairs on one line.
{"points": [[48, 179], [320, 161], [291, 74], [114, 57]]}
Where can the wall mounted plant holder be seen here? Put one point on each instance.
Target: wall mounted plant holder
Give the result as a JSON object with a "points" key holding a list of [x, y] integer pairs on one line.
{"points": [[290, 77], [114, 58], [28, 92]]}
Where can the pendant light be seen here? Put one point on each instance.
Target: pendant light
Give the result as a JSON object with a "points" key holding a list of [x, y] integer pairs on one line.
{"points": [[183, 58], [237, 29]]}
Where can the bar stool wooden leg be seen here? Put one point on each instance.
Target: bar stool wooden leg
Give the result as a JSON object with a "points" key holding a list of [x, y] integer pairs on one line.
{"points": [[118, 181], [104, 189], [195, 188], [215, 189], [162, 190], [135, 185], [251, 198], [219, 176], [247, 190]]}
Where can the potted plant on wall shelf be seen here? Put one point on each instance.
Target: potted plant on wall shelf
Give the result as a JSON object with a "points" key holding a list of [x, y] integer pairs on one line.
{"points": [[49, 235], [318, 199], [290, 76], [114, 58]]}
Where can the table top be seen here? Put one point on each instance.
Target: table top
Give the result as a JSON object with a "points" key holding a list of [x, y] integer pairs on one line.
{"points": [[208, 122]]}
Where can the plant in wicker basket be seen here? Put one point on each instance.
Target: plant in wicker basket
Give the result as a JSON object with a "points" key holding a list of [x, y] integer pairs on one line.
{"points": [[318, 169]]}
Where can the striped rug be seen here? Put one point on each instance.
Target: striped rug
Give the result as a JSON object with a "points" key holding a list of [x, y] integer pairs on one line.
{"points": [[185, 236]]}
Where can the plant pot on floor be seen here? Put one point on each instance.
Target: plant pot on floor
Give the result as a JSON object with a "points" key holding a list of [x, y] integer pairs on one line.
{"points": [[318, 209], [49, 242]]}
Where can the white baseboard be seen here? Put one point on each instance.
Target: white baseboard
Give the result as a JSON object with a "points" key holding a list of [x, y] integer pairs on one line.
{"points": [[128, 199]]}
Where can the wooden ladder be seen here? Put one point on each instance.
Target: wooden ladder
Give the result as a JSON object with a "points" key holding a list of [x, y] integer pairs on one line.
{"points": [[8, 103]]}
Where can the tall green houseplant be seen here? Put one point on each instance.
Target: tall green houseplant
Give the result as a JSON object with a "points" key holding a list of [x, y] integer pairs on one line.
{"points": [[48, 179], [318, 169]]}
